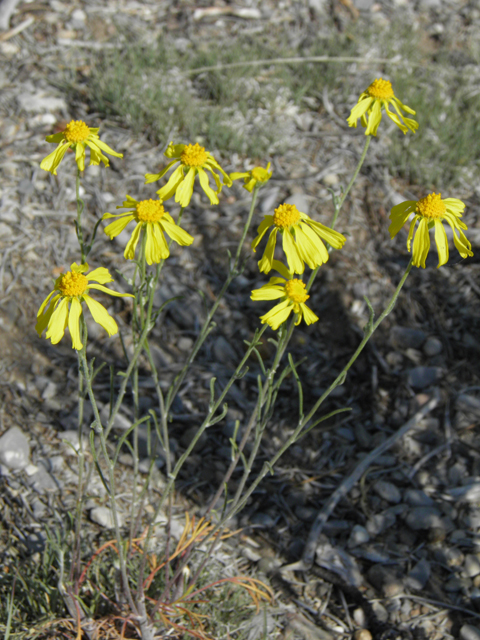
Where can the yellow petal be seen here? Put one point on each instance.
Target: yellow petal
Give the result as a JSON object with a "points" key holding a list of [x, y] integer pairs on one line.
{"points": [[74, 323], [442, 243], [295, 263], [399, 216], [110, 292], [170, 188], [184, 191], [277, 316], [115, 228], [268, 292], [100, 274], [58, 322], [212, 196], [262, 229], [101, 315], [44, 319], [421, 244], [80, 156], [176, 233], [129, 253], [265, 264], [51, 162], [374, 118]]}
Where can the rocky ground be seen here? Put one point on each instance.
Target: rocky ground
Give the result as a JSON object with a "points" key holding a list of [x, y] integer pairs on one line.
{"points": [[399, 554]]}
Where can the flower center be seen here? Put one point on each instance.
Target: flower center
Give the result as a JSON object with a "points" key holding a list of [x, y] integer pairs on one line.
{"points": [[76, 131], [73, 284], [286, 215], [259, 174], [193, 155], [432, 206], [296, 290], [150, 210], [381, 89]]}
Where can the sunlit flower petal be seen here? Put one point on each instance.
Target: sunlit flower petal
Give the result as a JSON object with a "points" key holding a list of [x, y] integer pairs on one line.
{"points": [[75, 136], [65, 307], [150, 216], [378, 96], [431, 212]]}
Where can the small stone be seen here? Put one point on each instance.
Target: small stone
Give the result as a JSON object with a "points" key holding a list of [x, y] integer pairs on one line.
{"points": [[362, 634], [358, 536], [14, 449], [387, 491], [432, 347], [305, 514], [469, 632], [423, 377], [189, 435], [71, 446], [42, 481], [263, 520], [362, 436], [184, 343], [223, 352], [359, 617], [417, 498], [472, 565], [104, 517], [380, 523], [419, 575], [407, 338], [456, 584], [331, 179], [380, 611], [424, 518]]}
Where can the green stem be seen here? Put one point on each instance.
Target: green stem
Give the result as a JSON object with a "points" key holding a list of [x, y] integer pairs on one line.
{"points": [[78, 223], [100, 432], [369, 330], [339, 203]]}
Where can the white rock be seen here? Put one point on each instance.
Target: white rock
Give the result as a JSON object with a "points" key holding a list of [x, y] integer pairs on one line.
{"points": [[14, 449], [104, 517], [469, 632]]}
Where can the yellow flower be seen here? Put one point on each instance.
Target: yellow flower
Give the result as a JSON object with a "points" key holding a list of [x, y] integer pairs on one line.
{"points": [[76, 136], [293, 293], [251, 178], [194, 160], [369, 108], [301, 239], [65, 304], [151, 215], [430, 212]]}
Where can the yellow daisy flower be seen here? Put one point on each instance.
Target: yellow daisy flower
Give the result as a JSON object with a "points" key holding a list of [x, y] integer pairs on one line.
{"points": [[77, 135], [301, 239], [430, 212], [259, 175], [369, 108], [194, 160], [65, 304], [150, 215], [293, 293]]}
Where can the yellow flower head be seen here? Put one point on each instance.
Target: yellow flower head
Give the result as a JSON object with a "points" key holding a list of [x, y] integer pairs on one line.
{"points": [[259, 175], [77, 135], [430, 212], [65, 304], [194, 160], [150, 215], [293, 293], [369, 108], [301, 239]]}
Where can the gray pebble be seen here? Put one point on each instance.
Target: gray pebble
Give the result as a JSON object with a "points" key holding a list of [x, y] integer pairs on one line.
{"points": [[468, 404], [457, 584], [262, 519], [472, 565], [42, 481], [358, 536], [407, 338], [469, 632], [14, 449], [35, 542], [305, 514], [432, 347], [419, 575], [417, 498], [423, 377], [188, 436], [104, 517], [424, 518], [362, 436], [224, 352], [387, 491], [185, 343], [380, 523]]}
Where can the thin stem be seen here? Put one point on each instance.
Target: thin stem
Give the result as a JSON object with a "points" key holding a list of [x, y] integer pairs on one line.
{"points": [[78, 223]]}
